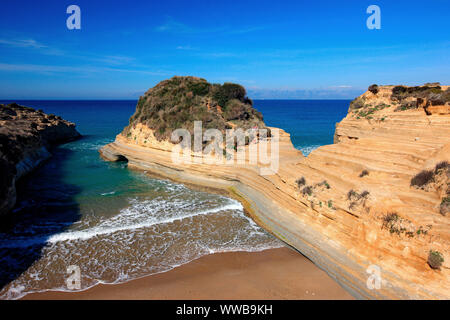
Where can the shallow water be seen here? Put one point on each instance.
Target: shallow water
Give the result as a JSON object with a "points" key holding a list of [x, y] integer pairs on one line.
{"points": [[117, 224]]}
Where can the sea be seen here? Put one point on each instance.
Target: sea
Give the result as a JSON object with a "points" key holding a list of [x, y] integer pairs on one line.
{"points": [[78, 215]]}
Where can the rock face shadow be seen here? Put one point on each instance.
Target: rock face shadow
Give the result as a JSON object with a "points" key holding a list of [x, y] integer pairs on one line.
{"points": [[46, 206]]}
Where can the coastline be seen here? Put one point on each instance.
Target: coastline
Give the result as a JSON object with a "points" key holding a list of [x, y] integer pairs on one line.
{"points": [[280, 273], [26, 137], [257, 198], [341, 237]]}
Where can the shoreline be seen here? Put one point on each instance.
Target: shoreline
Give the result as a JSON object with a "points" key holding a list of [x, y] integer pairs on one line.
{"points": [[279, 273], [259, 204], [274, 204]]}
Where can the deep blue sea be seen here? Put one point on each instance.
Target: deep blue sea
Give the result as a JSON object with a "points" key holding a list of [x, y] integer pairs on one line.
{"points": [[311, 123], [117, 224]]}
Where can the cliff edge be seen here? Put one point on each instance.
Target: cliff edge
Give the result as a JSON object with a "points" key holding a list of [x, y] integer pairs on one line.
{"points": [[371, 209], [26, 135]]}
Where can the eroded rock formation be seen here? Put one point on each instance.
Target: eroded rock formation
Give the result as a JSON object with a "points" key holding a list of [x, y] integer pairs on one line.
{"points": [[25, 138], [351, 207]]}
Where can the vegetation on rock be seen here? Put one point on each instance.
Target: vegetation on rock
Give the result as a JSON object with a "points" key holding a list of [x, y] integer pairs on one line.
{"points": [[435, 259], [300, 182], [401, 97], [407, 106], [398, 225], [357, 103], [436, 180], [433, 93], [178, 102], [427, 176], [374, 89], [444, 208], [364, 173], [308, 190], [422, 178]]}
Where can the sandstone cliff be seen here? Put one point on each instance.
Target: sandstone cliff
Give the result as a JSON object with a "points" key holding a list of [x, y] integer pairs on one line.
{"points": [[25, 137], [371, 201]]}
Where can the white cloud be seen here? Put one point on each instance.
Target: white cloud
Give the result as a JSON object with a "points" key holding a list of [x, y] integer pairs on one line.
{"points": [[341, 87], [185, 48], [114, 60], [37, 68], [25, 43], [174, 26]]}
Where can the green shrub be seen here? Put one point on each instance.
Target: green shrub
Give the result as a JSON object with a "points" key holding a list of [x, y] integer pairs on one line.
{"points": [[374, 89], [236, 110], [407, 106], [364, 173], [178, 102], [352, 205], [199, 88], [307, 190], [391, 217], [399, 90], [389, 222], [433, 93], [330, 204], [421, 231], [228, 91], [435, 259], [357, 103], [444, 165], [364, 194], [300, 182], [444, 208], [352, 194], [324, 183], [422, 178]]}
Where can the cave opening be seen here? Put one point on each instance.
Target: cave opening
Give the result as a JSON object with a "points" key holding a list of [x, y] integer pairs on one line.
{"points": [[121, 158]]}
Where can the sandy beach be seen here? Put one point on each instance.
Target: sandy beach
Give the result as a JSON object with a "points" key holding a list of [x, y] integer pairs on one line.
{"points": [[271, 274]]}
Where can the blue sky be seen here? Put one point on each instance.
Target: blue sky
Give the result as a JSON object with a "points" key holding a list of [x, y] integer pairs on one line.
{"points": [[276, 49]]}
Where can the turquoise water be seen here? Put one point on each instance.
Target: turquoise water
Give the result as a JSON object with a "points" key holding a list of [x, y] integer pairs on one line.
{"points": [[117, 224]]}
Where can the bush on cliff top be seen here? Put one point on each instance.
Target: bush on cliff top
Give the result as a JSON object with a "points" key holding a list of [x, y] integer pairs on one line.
{"points": [[178, 102], [227, 92], [434, 94], [374, 89]]}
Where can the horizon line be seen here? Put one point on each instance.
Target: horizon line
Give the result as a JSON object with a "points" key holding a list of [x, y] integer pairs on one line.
{"points": [[100, 99]]}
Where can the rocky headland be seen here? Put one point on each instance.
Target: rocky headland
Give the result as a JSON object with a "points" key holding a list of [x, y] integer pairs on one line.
{"points": [[26, 136], [370, 209]]}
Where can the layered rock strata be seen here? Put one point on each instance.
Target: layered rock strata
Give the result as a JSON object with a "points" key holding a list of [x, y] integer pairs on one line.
{"points": [[354, 208], [26, 135]]}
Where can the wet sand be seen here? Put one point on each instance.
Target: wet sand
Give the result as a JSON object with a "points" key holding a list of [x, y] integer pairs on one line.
{"points": [[271, 274]]}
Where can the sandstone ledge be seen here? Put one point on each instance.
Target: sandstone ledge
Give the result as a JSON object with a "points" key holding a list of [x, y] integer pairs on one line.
{"points": [[342, 237]]}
